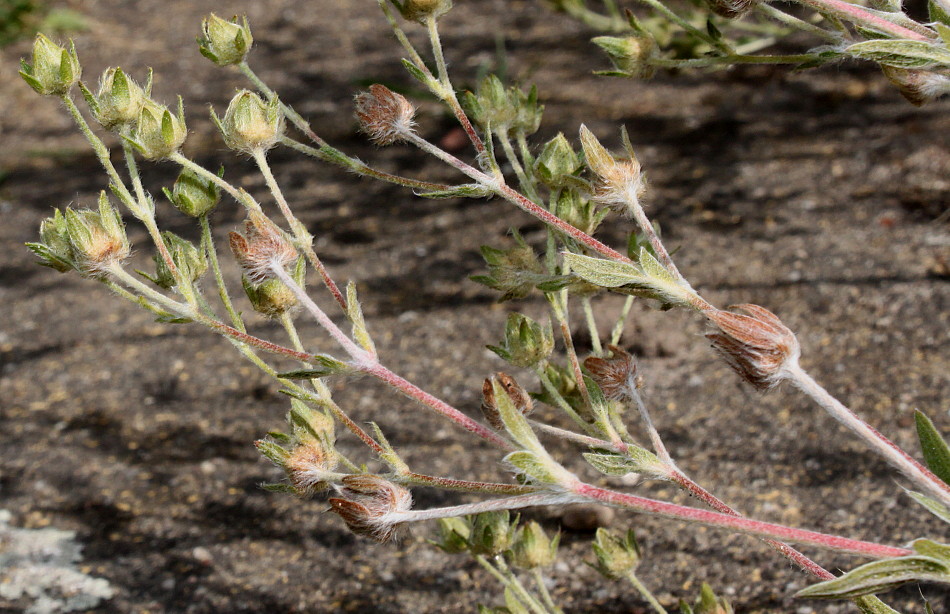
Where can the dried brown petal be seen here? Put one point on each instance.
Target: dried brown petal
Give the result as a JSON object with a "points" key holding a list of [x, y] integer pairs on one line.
{"points": [[757, 346], [366, 503], [617, 375], [385, 116], [260, 247], [519, 396]]}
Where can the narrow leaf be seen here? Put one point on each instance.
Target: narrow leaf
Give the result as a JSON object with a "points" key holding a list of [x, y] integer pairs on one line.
{"points": [[935, 449], [603, 273], [880, 576]]}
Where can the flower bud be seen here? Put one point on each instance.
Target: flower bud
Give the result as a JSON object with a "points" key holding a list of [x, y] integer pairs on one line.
{"points": [[189, 260], [580, 213], [96, 238], [194, 195], [270, 298], [159, 133], [615, 556], [492, 533], [557, 165], [261, 247], [119, 100], [616, 376], [368, 504], [708, 603], [619, 183], [519, 396], [385, 116], [630, 54], [225, 42], [54, 249], [918, 86], [500, 110], [453, 535], [54, 70], [420, 10], [532, 548], [515, 271], [757, 346], [526, 342], [250, 124]]}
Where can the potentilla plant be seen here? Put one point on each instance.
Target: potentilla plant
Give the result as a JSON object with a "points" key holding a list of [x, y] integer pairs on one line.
{"points": [[571, 186]]}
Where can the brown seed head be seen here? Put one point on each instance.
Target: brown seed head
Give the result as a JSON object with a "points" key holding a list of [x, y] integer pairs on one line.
{"points": [[519, 396], [260, 247], [367, 501], [617, 375], [730, 9], [918, 86], [385, 116], [757, 346], [307, 468]]}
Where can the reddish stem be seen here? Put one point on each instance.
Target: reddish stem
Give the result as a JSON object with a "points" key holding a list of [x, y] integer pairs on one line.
{"points": [[257, 342], [858, 15]]}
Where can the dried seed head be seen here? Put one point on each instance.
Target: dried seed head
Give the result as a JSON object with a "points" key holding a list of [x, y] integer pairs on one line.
{"points": [[617, 375], [619, 183], [519, 396], [385, 116], [918, 86], [308, 466], [261, 247], [757, 346], [730, 9], [367, 504]]}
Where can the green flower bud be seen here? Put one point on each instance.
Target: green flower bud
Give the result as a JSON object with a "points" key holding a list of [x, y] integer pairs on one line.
{"points": [[630, 54], [189, 260], [492, 533], [528, 118], [501, 110], [119, 100], [54, 70], [453, 535], [194, 195], [225, 42], [420, 10], [532, 548], [616, 556], [707, 603], [526, 342], [250, 124], [580, 213], [158, 133], [270, 298], [515, 271], [54, 249], [558, 165]]}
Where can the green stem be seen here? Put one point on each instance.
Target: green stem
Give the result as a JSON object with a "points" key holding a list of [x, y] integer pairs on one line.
{"points": [[617, 331], [645, 592], [526, 183], [661, 8], [519, 589], [779, 15], [239, 195], [592, 326], [545, 595], [212, 255]]}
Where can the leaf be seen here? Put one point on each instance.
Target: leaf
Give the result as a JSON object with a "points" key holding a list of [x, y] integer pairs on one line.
{"points": [[936, 508], [355, 313], [653, 268], [327, 365], [468, 190], [901, 53], [532, 466], [603, 273], [932, 549], [935, 449], [880, 576], [637, 460], [939, 11]]}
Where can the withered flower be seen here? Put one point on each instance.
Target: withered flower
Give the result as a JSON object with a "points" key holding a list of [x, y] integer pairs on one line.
{"points": [[617, 375], [519, 396], [757, 346], [367, 504], [385, 116]]}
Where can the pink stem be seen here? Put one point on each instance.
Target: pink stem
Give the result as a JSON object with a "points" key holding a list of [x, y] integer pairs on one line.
{"points": [[858, 15]]}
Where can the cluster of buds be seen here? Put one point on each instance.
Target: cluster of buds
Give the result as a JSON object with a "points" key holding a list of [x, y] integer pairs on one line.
{"points": [[616, 376], [757, 346], [384, 116], [307, 455], [515, 271], [558, 165], [422, 10], [370, 505], [261, 247], [518, 395], [225, 42], [54, 69], [251, 125], [501, 110], [615, 556], [194, 195], [526, 342], [88, 241], [630, 55], [494, 533], [580, 213], [619, 183], [190, 261], [271, 297], [918, 86], [119, 101]]}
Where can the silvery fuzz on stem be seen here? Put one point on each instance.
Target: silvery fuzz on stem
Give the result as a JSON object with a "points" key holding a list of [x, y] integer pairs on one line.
{"points": [[54, 69]]}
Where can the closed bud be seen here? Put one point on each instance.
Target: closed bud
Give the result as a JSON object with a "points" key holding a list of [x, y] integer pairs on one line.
{"points": [[225, 42], [453, 535], [918, 86], [616, 376], [707, 603], [371, 505], [757, 346], [579, 212], [119, 100], [558, 165], [270, 298], [194, 195], [385, 116], [492, 533], [421, 10], [188, 259], [496, 108], [159, 133], [615, 557], [54, 69], [526, 342], [630, 55], [514, 271], [54, 249], [261, 247], [250, 124], [519, 396], [619, 184], [532, 548], [96, 238]]}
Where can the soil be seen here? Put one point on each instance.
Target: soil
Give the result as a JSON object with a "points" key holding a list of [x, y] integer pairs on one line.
{"points": [[821, 195]]}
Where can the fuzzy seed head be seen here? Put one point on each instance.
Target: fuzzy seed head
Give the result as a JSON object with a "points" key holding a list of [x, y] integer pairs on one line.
{"points": [[385, 116], [261, 247], [617, 375], [367, 502], [757, 346], [918, 86], [307, 467]]}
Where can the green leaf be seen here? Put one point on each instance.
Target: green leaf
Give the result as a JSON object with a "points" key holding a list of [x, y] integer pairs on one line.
{"points": [[326, 365], [936, 508], [637, 460], [468, 190], [880, 576], [939, 11], [932, 549], [935, 449], [418, 73], [515, 422], [604, 273], [532, 466], [901, 53], [355, 313], [653, 268]]}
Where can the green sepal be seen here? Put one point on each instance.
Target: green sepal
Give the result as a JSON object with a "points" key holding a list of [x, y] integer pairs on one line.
{"points": [[172, 319], [468, 190], [935, 449], [280, 488], [90, 98], [49, 258], [273, 452], [389, 454], [419, 74]]}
